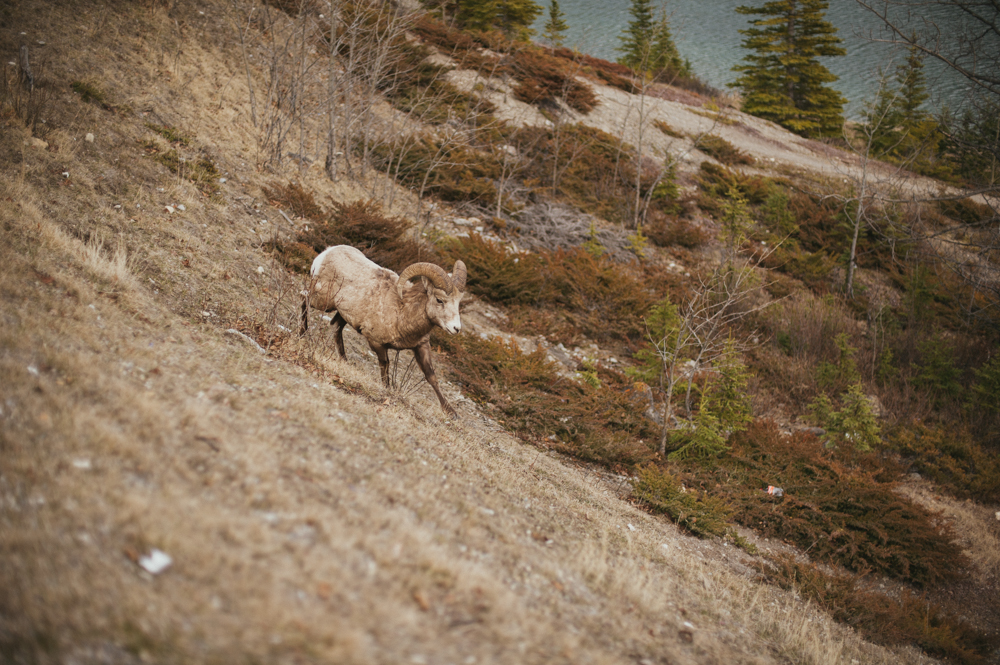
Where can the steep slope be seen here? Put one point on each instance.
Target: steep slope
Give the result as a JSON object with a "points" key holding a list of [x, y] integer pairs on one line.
{"points": [[310, 514]]}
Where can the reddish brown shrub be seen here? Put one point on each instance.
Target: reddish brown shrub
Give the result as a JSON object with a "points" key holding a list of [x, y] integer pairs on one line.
{"points": [[595, 423], [294, 198], [542, 78], [384, 240], [832, 508], [881, 618], [667, 232]]}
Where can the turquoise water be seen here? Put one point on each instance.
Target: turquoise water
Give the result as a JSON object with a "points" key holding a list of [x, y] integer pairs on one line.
{"points": [[707, 34]]}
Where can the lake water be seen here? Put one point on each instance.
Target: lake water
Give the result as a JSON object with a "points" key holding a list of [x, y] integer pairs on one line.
{"points": [[707, 33]]}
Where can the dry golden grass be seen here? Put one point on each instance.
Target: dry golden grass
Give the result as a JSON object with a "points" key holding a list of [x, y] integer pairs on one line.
{"points": [[310, 519]]}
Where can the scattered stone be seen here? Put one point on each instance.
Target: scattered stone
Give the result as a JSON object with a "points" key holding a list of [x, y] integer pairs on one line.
{"points": [[169, 209], [89, 138], [81, 463], [180, 206], [36, 142], [155, 562]]}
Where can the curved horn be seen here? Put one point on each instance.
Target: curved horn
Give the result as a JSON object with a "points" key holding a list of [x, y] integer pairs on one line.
{"points": [[439, 278], [458, 275]]}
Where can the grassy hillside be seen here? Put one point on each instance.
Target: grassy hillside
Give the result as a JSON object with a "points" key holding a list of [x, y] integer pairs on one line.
{"points": [[163, 187]]}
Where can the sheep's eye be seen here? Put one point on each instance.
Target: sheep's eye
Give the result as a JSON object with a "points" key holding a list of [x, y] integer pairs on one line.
{"points": [[440, 302]]}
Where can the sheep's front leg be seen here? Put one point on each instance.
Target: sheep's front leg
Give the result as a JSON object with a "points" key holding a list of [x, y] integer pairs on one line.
{"points": [[423, 355], [383, 361]]}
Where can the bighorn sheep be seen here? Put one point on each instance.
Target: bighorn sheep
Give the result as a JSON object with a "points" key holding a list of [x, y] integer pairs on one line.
{"points": [[383, 309]]}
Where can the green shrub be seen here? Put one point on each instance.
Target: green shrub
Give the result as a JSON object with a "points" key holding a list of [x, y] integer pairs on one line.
{"points": [[936, 371], [171, 134], [91, 93], [698, 512], [722, 150], [201, 172], [667, 129], [716, 182], [837, 376], [853, 424]]}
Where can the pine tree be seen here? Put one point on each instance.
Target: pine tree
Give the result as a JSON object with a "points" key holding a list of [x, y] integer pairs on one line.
{"points": [[782, 79], [638, 36], [513, 17], [556, 26], [663, 53], [899, 128]]}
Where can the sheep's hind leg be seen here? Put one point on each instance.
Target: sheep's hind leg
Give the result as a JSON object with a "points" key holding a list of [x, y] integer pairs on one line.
{"points": [[305, 317], [338, 324], [423, 355]]}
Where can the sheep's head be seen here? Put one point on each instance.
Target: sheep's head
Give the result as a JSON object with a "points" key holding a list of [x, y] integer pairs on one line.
{"points": [[444, 292]]}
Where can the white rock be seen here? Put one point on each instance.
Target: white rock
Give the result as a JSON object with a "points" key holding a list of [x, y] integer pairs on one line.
{"points": [[260, 270], [169, 209], [89, 138], [155, 562], [222, 180], [81, 463], [180, 206]]}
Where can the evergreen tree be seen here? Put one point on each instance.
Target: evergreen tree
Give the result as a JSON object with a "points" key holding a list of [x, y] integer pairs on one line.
{"points": [[782, 79], [513, 17], [663, 53], [895, 121], [556, 26], [638, 36]]}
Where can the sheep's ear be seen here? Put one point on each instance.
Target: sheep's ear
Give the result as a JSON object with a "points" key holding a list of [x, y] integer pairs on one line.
{"points": [[428, 287]]}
